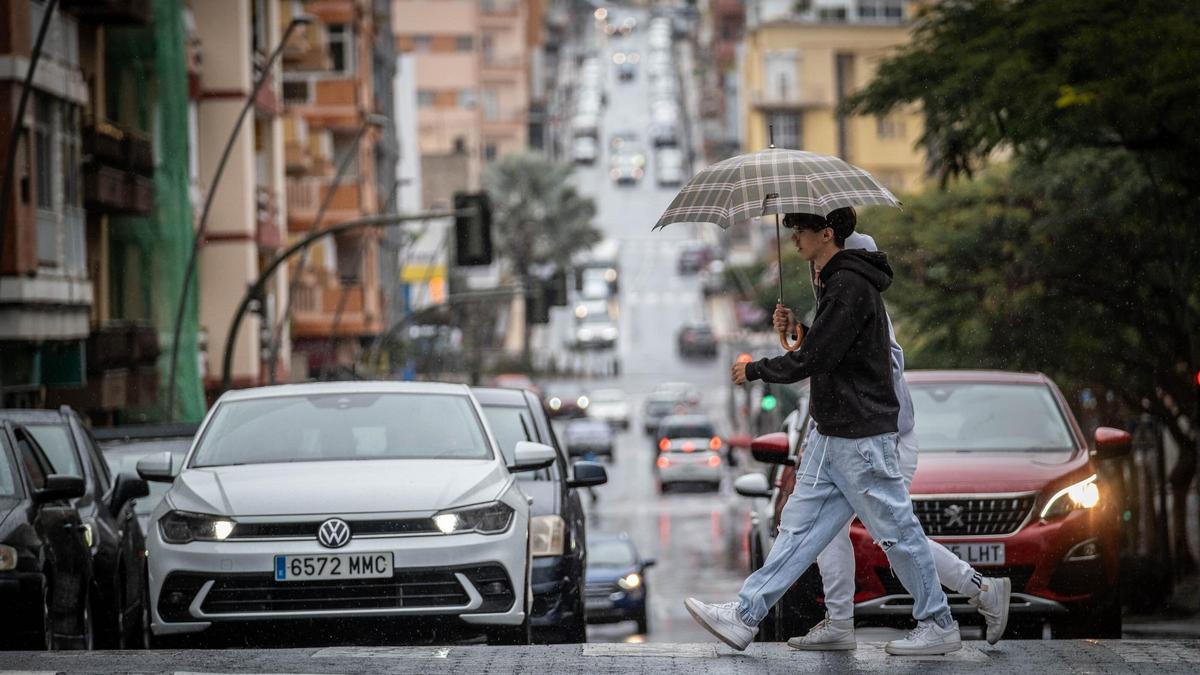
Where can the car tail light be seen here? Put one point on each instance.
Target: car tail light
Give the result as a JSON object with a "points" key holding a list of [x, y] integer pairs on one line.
{"points": [[663, 462], [664, 444], [714, 443], [715, 460], [688, 447]]}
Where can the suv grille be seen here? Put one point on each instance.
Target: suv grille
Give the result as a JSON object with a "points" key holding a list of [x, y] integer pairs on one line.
{"points": [[958, 516], [308, 529]]}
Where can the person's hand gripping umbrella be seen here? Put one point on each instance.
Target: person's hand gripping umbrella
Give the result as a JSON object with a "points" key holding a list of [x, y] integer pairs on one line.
{"points": [[777, 181]]}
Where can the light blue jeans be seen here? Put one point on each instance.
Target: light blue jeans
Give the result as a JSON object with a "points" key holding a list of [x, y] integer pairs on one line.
{"points": [[839, 477]]}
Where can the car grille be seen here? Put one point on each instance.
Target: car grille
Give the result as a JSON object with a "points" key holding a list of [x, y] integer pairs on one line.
{"points": [[308, 529], [245, 593], [599, 591], [962, 516], [1019, 575]]}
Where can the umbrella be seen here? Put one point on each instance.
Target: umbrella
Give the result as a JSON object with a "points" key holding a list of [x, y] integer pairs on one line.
{"points": [[775, 181]]}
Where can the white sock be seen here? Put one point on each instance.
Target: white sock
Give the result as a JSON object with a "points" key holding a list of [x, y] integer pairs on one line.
{"points": [[973, 586]]}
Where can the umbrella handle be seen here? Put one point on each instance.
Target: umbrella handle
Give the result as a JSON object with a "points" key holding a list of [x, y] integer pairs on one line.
{"points": [[784, 342]]}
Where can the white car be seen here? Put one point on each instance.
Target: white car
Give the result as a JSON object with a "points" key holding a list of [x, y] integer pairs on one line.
{"points": [[610, 405], [584, 150], [330, 501], [668, 168], [689, 451]]}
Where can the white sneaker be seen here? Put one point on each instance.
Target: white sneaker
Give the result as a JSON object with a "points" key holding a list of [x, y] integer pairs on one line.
{"points": [[829, 635], [992, 603], [927, 639], [723, 621]]}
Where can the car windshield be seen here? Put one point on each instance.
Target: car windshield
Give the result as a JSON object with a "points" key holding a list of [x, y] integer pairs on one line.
{"points": [[587, 428], [688, 431], [123, 458], [329, 427], [511, 425], [989, 417], [610, 553], [56, 442]]}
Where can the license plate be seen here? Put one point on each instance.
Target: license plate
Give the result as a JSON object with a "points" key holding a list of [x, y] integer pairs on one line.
{"points": [[978, 554], [333, 566]]}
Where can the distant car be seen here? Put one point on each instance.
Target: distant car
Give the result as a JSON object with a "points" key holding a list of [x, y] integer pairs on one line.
{"points": [[693, 259], [595, 326], [685, 392], [712, 278], [660, 405], [668, 169], [584, 150], [589, 437], [624, 169], [119, 603], [689, 451], [610, 405], [626, 71], [566, 401], [697, 339], [124, 446], [45, 566], [558, 538], [516, 381], [616, 581], [585, 124]]}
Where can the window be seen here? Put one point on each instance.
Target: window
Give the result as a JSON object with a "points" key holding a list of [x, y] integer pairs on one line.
{"points": [[71, 156], [33, 460], [511, 425], [57, 157], [345, 149], [422, 42], [881, 11], [788, 130], [425, 98], [56, 442], [781, 75], [8, 473], [43, 131], [489, 152], [489, 101], [889, 126], [96, 459], [464, 43], [295, 91], [341, 47], [467, 99], [460, 145], [832, 14]]}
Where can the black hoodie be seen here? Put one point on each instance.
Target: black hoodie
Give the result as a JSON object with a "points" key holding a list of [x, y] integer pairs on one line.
{"points": [[846, 352]]}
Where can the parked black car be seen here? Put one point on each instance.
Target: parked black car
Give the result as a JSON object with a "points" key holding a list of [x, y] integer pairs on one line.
{"points": [[124, 446], [45, 567], [119, 595], [558, 531]]}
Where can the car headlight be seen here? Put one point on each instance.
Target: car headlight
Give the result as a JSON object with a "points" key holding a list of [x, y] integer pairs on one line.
{"points": [[182, 527], [584, 333], [630, 581], [8, 558], [1082, 495], [555, 403], [492, 518], [547, 535], [609, 333], [583, 402]]}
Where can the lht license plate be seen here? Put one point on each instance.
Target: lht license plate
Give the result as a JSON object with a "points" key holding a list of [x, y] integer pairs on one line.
{"points": [[978, 554], [333, 566]]}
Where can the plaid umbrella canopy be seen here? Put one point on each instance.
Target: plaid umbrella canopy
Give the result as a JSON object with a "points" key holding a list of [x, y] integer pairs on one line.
{"points": [[773, 181]]}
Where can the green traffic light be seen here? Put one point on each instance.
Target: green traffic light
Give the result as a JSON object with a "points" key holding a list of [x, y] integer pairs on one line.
{"points": [[769, 402]]}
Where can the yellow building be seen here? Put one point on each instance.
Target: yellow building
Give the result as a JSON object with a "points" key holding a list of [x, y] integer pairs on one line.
{"points": [[794, 74]]}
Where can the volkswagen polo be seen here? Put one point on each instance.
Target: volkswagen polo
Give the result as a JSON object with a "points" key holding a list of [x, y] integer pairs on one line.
{"points": [[333, 501]]}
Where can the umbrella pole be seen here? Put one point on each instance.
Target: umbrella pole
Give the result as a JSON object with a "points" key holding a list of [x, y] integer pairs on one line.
{"points": [[783, 336]]}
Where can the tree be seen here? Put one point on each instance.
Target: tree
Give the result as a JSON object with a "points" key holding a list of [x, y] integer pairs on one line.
{"points": [[1108, 91], [540, 218]]}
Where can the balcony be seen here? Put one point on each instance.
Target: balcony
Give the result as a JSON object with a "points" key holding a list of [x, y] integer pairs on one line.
{"points": [[315, 309], [308, 49], [331, 11], [330, 102], [112, 12], [792, 98], [305, 195], [505, 67], [267, 232], [117, 179]]}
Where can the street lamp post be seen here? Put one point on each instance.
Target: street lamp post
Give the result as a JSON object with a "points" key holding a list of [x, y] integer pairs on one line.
{"points": [[190, 270]]}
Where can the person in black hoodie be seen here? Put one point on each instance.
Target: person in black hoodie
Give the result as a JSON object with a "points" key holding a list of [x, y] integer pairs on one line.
{"points": [[852, 463]]}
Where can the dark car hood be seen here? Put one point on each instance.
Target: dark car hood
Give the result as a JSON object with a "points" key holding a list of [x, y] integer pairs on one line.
{"points": [[974, 472], [608, 575], [545, 496]]}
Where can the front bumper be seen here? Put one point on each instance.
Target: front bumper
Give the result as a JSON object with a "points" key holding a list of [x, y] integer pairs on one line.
{"points": [[21, 598], [608, 603], [555, 593], [480, 579], [690, 468]]}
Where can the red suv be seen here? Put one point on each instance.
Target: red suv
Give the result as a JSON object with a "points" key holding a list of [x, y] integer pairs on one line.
{"points": [[1006, 481]]}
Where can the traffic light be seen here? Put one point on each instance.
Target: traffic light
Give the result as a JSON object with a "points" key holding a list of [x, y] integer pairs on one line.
{"points": [[769, 402], [557, 289], [537, 305], [472, 232]]}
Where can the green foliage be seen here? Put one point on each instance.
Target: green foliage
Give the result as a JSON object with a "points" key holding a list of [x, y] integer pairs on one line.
{"points": [[539, 216], [759, 282]]}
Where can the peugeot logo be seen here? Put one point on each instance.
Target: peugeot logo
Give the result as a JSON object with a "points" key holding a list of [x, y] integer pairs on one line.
{"points": [[334, 533], [954, 516]]}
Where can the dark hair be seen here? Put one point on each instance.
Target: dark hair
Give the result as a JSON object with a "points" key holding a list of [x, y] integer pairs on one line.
{"points": [[842, 221]]}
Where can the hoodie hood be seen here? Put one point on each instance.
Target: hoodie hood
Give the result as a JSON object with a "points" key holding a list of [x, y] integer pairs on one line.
{"points": [[871, 265]]}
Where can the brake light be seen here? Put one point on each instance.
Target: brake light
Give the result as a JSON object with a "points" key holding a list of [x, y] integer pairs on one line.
{"points": [[663, 462], [664, 444], [714, 443], [688, 447], [715, 460]]}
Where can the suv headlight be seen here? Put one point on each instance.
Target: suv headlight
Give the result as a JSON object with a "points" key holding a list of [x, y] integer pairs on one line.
{"points": [[492, 518], [1082, 495], [547, 535], [630, 581], [8, 558], [182, 527]]}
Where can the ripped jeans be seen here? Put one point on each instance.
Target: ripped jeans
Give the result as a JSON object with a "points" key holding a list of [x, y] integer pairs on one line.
{"points": [[839, 477]]}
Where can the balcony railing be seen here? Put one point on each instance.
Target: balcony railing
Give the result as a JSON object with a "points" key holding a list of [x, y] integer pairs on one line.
{"points": [[315, 309], [787, 97], [304, 197], [118, 176]]}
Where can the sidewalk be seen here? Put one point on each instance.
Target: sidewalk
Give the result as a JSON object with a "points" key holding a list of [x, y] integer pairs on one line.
{"points": [[1063, 656]]}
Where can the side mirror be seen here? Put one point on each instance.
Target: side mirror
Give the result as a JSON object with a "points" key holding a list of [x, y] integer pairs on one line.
{"points": [[588, 474], [1112, 443], [531, 456], [157, 467], [649, 562], [60, 486], [741, 441], [771, 448], [752, 485], [127, 487]]}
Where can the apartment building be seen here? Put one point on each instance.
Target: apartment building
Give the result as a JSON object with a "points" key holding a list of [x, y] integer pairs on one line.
{"points": [[798, 67], [330, 136]]}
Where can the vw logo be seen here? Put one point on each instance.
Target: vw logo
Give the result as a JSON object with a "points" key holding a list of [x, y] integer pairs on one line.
{"points": [[334, 533], [954, 516]]}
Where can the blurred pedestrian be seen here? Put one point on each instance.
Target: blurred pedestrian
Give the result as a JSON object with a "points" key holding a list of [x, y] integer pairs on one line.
{"points": [[854, 466]]}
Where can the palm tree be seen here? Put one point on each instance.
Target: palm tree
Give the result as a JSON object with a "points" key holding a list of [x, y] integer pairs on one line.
{"points": [[539, 217]]}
